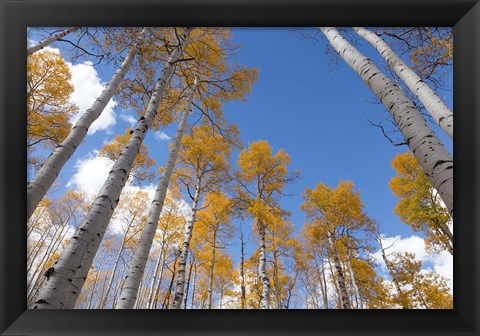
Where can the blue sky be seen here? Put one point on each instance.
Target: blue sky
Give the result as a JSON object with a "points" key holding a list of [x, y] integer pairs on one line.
{"points": [[312, 108]]}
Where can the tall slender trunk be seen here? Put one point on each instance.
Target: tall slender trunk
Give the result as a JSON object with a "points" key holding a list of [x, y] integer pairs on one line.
{"points": [[432, 156], [166, 301], [50, 40], [340, 275], [53, 246], [43, 180], [242, 272], [117, 259], [158, 266], [390, 269], [139, 260], [118, 287], [325, 298], [262, 269], [335, 282], [94, 286], [194, 286], [83, 246], [177, 301], [442, 115], [160, 279], [190, 269], [210, 280], [275, 280], [322, 280], [354, 284], [112, 276]]}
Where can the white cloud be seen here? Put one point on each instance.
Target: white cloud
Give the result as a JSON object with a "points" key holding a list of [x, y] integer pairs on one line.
{"points": [[91, 173], [129, 119], [441, 263], [161, 136], [88, 87]]}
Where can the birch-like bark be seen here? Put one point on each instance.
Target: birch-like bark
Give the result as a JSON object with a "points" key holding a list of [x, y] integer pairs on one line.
{"points": [[432, 156], [81, 250], [335, 282], [194, 285], [187, 288], [340, 276], [442, 115], [354, 284], [158, 266], [139, 260], [242, 272], [179, 292], [50, 40], [262, 269], [212, 266], [41, 183]]}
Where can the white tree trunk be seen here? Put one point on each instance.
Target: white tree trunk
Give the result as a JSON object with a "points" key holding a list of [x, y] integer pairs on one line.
{"points": [[139, 260], [354, 284], [335, 282], [432, 156], [81, 250], [38, 187], [180, 290], [262, 269], [212, 267], [158, 266], [442, 115], [51, 39], [340, 276]]}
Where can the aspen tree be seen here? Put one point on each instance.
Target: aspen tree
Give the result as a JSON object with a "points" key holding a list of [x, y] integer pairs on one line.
{"points": [[432, 156], [51, 39], [205, 156], [442, 115], [214, 229], [261, 179], [41, 183], [419, 205], [137, 266], [84, 244], [48, 103]]}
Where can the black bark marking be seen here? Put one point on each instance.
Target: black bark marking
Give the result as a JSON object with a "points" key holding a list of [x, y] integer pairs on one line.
{"points": [[439, 162]]}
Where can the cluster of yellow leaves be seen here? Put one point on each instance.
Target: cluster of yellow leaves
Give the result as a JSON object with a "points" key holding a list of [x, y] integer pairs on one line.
{"points": [[335, 208], [204, 156], [131, 214], [419, 289], [419, 206], [206, 55], [267, 174], [215, 215], [435, 51], [142, 163], [48, 99]]}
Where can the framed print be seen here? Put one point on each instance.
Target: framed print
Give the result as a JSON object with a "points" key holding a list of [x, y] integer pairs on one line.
{"points": [[259, 177]]}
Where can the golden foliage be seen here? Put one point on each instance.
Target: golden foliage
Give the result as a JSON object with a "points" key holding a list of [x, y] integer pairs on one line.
{"points": [[48, 99], [419, 205]]}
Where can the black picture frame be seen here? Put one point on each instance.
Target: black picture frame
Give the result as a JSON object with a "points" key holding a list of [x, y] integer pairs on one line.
{"points": [[17, 15]]}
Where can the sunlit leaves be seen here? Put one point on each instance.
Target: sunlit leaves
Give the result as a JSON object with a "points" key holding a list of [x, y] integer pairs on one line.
{"points": [[48, 99], [419, 204]]}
